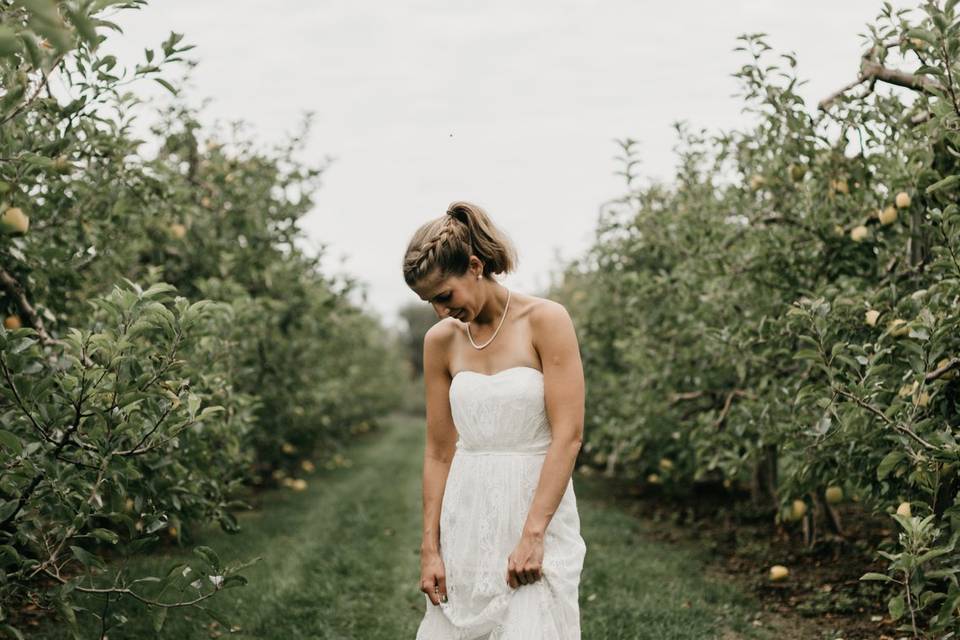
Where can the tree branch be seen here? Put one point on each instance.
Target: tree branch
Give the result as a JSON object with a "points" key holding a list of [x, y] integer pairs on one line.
{"points": [[874, 71]]}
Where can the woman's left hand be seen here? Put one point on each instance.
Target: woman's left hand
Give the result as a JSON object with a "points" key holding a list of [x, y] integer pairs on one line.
{"points": [[525, 564]]}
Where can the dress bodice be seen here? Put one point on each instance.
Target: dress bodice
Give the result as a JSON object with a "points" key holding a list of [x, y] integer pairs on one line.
{"points": [[500, 413]]}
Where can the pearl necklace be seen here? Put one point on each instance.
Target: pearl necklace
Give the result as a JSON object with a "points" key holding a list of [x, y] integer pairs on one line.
{"points": [[502, 318]]}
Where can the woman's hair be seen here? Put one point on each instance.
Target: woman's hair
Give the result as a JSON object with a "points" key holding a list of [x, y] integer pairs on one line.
{"points": [[448, 242]]}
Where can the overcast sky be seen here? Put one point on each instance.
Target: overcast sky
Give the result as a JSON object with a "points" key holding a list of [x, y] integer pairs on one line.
{"points": [[513, 105]]}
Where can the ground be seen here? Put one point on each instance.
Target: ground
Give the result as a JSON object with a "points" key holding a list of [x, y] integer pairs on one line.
{"points": [[340, 561]]}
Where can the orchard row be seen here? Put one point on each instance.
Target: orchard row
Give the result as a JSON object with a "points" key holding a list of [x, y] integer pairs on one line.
{"points": [[166, 341], [785, 315]]}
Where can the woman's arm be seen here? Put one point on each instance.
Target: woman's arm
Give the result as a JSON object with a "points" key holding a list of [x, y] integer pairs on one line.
{"points": [[441, 433], [556, 342]]}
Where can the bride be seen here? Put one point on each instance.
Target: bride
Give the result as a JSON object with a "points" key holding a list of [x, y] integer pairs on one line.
{"points": [[502, 554]]}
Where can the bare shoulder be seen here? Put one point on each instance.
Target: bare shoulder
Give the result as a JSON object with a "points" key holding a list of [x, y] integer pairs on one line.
{"points": [[440, 331], [546, 314], [555, 338], [437, 340]]}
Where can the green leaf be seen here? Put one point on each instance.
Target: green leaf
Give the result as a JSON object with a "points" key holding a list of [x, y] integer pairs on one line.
{"points": [[159, 523], [159, 617], [9, 556], [83, 24], [100, 5], [68, 614], [876, 576], [897, 607], [7, 508], [933, 553], [166, 85], [922, 34], [13, 631], [10, 44], [943, 184], [106, 535], [158, 288], [926, 70], [10, 442], [86, 558], [233, 581], [45, 19], [193, 403], [889, 462], [209, 555]]}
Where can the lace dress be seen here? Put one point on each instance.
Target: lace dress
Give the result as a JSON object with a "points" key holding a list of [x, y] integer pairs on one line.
{"points": [[503, 438]]}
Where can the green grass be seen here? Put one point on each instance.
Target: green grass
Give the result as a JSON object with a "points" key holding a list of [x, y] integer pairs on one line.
{"points": [[340, 561]]}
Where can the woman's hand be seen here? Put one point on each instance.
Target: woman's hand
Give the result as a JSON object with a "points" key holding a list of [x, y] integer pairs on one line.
{"points": [[525, 564], [433, 577]]}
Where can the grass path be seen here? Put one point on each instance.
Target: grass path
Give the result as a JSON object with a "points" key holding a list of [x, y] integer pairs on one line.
{"points": [[340, 561]]}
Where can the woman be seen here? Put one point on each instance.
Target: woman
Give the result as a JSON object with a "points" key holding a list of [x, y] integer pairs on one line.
{"points": [[502, 553]]}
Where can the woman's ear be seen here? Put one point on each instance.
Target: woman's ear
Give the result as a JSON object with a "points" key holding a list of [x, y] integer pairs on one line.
{"points": [[476, 267]]}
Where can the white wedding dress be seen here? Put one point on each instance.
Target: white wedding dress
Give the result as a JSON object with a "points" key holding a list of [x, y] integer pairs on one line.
{"points": [[503, 434]]}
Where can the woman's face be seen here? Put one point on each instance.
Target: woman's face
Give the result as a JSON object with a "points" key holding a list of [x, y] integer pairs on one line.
{"points": [[454, 296]]}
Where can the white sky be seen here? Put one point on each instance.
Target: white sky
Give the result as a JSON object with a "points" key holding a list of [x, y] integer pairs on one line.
{"points": [[510, 104]]}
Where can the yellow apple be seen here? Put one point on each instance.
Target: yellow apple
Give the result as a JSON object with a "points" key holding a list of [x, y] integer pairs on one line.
{"points": [[898, 327], [798, 509], [62, 165], [902, 200], [779, 572], [178, 230], [904, 509], [871, 317], [839, 186], [12, 322], [907, 390], [666, 464], [859, 233], [949, 375], [888, 215], [14, 220], [833, 494], [653, 478]]}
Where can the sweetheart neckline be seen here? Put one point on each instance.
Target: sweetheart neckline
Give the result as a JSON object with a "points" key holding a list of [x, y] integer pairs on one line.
{"points": [[491, 375]]}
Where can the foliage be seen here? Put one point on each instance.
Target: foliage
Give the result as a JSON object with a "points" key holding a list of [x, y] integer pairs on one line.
{"points": [[166, 342], [785, 312]]}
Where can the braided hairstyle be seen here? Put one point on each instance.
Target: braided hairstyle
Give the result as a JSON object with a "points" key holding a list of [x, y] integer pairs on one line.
{"points": [[448, 242]]}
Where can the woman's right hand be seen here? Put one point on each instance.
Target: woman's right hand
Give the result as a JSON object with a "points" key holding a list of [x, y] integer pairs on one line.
{"points": [[433, 578]]}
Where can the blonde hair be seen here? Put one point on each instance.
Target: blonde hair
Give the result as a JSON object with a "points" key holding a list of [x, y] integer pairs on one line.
{"points": [[447, 242]]}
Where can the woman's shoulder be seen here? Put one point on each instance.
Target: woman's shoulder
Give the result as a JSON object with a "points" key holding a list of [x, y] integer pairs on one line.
{"points": [[543, 311], [441, 332]]}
